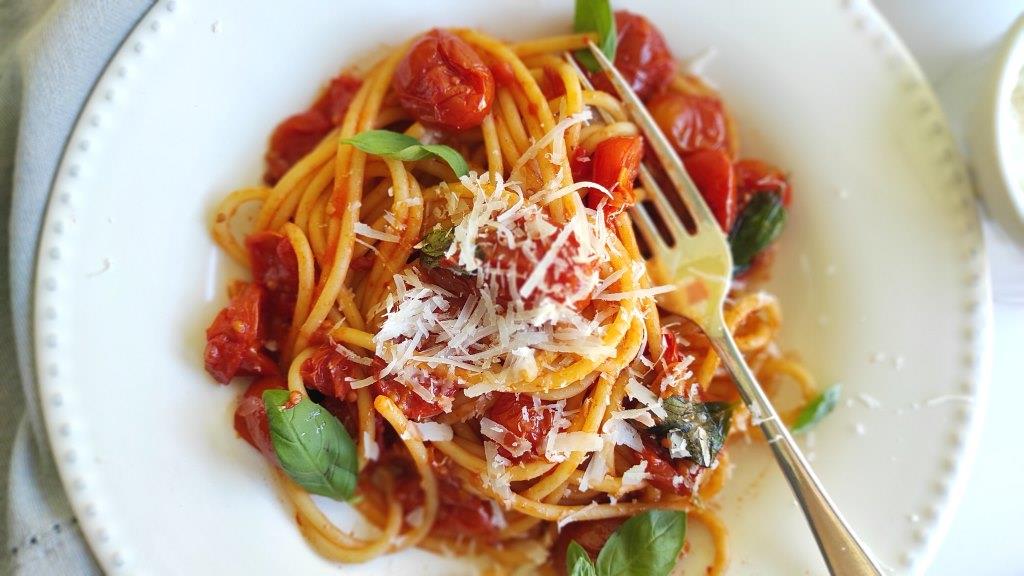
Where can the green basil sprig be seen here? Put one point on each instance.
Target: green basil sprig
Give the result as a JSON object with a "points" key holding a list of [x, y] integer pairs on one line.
{"points": [[647, 544], [596, 16], [313, 447], [817, 409], [406, 148], [695, 430], [757, 226]]}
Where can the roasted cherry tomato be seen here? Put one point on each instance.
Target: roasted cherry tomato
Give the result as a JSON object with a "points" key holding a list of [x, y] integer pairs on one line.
{"points": [[523, 419], [298, 134], [616, 163], [414, 406], [691, 121], [711, 171], [275, 268], [234, 341], [591, 535], [565, 279], [443, 82], [753, 176], [662, 470], [251, 415], [328, 371], [642, 56]]}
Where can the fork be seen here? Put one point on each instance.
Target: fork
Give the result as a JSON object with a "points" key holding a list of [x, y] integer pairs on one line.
{"points": [[699, 264]]}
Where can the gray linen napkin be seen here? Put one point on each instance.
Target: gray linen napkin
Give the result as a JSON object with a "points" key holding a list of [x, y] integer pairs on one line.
{"points": [[51, 53]]}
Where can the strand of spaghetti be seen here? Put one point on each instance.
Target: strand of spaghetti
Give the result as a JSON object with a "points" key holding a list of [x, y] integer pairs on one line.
{"points": [[317, 186], [306, 272], [492, 146], [335, 275], [221, 228], [553, 44], [595, 411], [414, 444], [719, 536], [302, 170], [354, 336]]}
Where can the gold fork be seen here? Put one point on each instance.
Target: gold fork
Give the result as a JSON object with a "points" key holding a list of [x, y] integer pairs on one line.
{"points": [[699, 264]]}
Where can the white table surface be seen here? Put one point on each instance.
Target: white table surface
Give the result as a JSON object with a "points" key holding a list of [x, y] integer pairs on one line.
{"points": [[949, 37]]}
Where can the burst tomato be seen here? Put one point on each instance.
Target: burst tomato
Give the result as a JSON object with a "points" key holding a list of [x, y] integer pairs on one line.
{"points": [[523, 419], [414, 406], [691, 121], [234, 341], [753, 176], [711, 171], [328, 371], [297, 135], [642, 56], [443, 82], [276, 269], [251, 415], [615, 166]]}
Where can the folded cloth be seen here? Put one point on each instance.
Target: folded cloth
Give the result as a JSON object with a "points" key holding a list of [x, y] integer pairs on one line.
{"points": [[51, 53]]}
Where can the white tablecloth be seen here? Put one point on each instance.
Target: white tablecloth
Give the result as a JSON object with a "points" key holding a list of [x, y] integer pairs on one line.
{"points": [[51, 52]]}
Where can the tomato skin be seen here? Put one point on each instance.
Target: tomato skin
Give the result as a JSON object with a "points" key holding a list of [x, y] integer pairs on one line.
{"points": [[276, 269], [298, 134], [591, 535], [251, 415], [753, 176], [662, 470], [691, 121], [561, 282], [410, 403], [642, 56], [712, 173], [518, 414], [328, 371], [615, 166], [443, 82], [235, 338]]}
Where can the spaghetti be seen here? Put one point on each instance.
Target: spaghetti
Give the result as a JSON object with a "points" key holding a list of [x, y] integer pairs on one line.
{"points": [[491, 342]]}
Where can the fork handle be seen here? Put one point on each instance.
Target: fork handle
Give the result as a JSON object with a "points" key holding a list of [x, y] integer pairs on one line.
{"points": [[843, 552]]}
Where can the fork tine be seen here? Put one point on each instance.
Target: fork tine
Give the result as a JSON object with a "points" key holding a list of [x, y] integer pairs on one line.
{"points": [[658, 143], [648, 229]]}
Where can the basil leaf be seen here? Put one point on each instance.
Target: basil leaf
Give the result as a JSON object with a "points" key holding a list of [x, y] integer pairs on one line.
{"points": [[577, 561], [818, 408], [757, 226], [596, 16], [695, 430], [314, 448], [406, 148], [434, 245], [648, 544]]}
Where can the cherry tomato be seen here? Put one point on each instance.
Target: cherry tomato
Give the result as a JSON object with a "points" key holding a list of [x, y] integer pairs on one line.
{"points": [[564, 280], [443, 82], [662, 470], [298, 134], [523, 419], [581, 164], [328, 371], [615, 166], [460, 513], [642, 56], [409, 402], [591, 535], [234, 341], [251, 415], [276, 269], [753, 176], [691, 121], [711, 171]]}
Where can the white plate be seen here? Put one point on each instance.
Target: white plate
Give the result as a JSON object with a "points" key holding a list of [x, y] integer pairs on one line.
{"points": [[882, 273]]}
